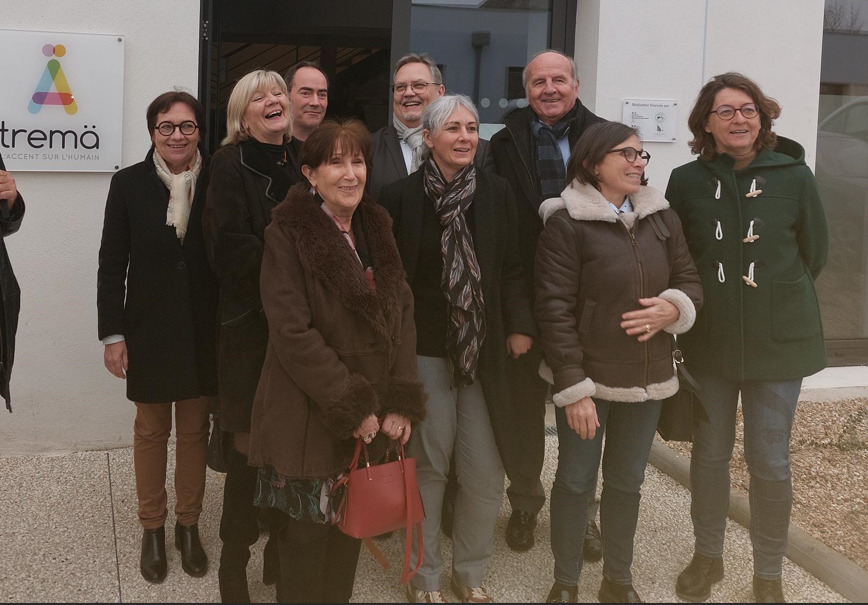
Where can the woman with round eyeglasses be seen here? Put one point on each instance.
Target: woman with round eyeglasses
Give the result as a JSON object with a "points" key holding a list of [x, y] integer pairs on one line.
{"points": [[613, 280], [157, 304], [757, 232]]}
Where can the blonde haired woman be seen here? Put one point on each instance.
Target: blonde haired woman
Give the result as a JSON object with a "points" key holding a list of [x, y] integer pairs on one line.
{"points": [[251, 177]]}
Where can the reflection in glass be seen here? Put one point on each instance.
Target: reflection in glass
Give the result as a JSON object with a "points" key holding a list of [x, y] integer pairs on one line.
{"points": [[482, 47]]}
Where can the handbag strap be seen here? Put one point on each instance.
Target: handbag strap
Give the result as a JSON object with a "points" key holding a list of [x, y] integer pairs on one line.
{"points": [[678, 356]]}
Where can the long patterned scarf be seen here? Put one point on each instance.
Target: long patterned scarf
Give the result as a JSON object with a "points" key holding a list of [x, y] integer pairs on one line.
{"points": [[461, 280], [182, 188], [414, 140]]}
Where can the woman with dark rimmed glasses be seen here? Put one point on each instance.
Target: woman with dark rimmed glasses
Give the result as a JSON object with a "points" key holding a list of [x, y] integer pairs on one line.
{"points": [[757, 232], [613, 281], [157, 311]]}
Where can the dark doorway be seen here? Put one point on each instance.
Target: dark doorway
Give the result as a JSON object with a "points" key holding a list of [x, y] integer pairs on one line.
{"points": [[350, 40]]}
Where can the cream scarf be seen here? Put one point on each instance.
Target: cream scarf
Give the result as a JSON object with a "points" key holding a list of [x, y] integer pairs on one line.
{"points": [[182, 188]]}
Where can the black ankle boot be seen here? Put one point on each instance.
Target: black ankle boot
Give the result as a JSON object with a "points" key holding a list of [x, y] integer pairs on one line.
{"points": [[694, 583], [563, 593], [232, 574], [768, 591], [611, 592], [153, 561], [194, 561]]}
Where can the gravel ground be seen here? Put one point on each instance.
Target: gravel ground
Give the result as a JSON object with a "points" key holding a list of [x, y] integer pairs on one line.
{"points": [[829, 451]]}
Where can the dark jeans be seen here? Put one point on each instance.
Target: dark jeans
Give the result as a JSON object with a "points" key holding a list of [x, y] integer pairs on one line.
{"points": [[317, 563], [768, 409], [629, 430]]}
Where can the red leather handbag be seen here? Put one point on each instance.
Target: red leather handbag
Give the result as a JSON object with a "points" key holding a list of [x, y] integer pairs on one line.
{"points": [[380, 498]]}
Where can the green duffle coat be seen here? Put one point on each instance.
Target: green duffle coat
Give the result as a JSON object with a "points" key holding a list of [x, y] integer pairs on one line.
{"points": [[778, 240]]}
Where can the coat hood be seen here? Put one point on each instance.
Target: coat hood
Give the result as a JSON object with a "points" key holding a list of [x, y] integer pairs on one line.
{"points": [[585, 203], [786, 153]]}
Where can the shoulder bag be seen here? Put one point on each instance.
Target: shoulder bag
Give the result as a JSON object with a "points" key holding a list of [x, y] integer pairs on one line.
{"points": [[684, 408], [380, 498]]}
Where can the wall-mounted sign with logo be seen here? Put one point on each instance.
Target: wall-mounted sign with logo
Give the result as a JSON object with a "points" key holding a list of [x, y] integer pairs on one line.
{"points": [[655, 120], [61, 101]]}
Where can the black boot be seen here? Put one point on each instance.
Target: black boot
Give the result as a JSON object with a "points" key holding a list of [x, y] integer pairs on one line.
{"points": [[768, 591], [194, 561], [232, 574], [610, 592], [153, 561], [563, 593], [694, 583]]}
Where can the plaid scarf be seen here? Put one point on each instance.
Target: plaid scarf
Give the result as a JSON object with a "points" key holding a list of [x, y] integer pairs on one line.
{"points": [[461, 280], [549, 161]]}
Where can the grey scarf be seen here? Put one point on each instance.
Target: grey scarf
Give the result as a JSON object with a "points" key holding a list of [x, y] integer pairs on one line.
{"points": [[413, 138]]}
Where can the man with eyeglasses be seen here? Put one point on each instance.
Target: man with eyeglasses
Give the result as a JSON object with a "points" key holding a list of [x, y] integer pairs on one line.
{"points": [[531, 152], [308, 89], [398, 147]]}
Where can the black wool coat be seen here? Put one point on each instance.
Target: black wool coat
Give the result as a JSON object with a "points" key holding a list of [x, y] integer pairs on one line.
{"points": [[158, 293], [10, 294], [513, 150], [246, 186], [507, 306]]}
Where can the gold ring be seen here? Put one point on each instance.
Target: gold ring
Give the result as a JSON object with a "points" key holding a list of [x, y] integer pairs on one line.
{"points": [[647, 327], [367, 439], [401, 428]]}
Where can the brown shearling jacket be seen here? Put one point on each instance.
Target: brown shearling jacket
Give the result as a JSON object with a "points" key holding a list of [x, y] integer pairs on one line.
{"points": [[337, 350], [591, 267]]}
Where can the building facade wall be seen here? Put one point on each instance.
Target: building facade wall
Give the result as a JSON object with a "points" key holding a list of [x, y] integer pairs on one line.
{"points": [[65, 400]]}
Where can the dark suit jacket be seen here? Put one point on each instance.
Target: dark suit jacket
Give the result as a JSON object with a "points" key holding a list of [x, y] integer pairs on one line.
{"points": [[507, 306], [388, 161]]}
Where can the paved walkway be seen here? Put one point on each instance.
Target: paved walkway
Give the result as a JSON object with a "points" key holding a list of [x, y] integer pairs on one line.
{"points": [[69, 534]]}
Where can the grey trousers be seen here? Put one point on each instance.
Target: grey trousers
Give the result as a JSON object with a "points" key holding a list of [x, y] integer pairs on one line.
{"points": [[457, 427]]}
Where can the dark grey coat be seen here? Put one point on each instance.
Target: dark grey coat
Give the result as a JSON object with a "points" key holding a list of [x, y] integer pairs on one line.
{"points": [[507, 306]]}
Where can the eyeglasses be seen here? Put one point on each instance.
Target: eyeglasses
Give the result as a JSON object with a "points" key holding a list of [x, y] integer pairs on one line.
{"points": [[416, 86], [167, 129], [727, 112], [630, 154]]}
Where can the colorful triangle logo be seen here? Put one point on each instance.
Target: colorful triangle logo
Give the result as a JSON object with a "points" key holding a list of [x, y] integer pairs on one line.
{"points": [[53, 89]]}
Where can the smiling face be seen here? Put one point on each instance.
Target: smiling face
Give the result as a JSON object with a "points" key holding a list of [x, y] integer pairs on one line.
{"points": [[551, 89], [309, 99], [454, 146], [409, 105], [618, 178], [266, 117], [177, 149], [737, 136], [340, 181]]}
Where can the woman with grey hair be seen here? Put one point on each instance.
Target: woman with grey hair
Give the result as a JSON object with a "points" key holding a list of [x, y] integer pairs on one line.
{"points": [[457, 234]]}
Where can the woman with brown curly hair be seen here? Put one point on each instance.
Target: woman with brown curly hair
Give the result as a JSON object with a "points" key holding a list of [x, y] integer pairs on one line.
{"points": [[757, 232]]}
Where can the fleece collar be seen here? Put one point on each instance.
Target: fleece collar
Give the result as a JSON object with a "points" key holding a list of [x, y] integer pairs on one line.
{"points": [[324, 251], [584, 203]]}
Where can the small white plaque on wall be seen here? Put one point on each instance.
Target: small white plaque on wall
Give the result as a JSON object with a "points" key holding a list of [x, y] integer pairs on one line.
{"points": [[655, 120]]}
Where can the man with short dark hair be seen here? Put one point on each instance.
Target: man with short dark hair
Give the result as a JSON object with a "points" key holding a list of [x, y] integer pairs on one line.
{"points": [[308, 89], [398, 147], [531, 152]]}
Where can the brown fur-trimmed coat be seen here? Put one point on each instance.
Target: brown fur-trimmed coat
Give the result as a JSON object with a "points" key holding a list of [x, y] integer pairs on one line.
{"points": [[337, 350]]}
